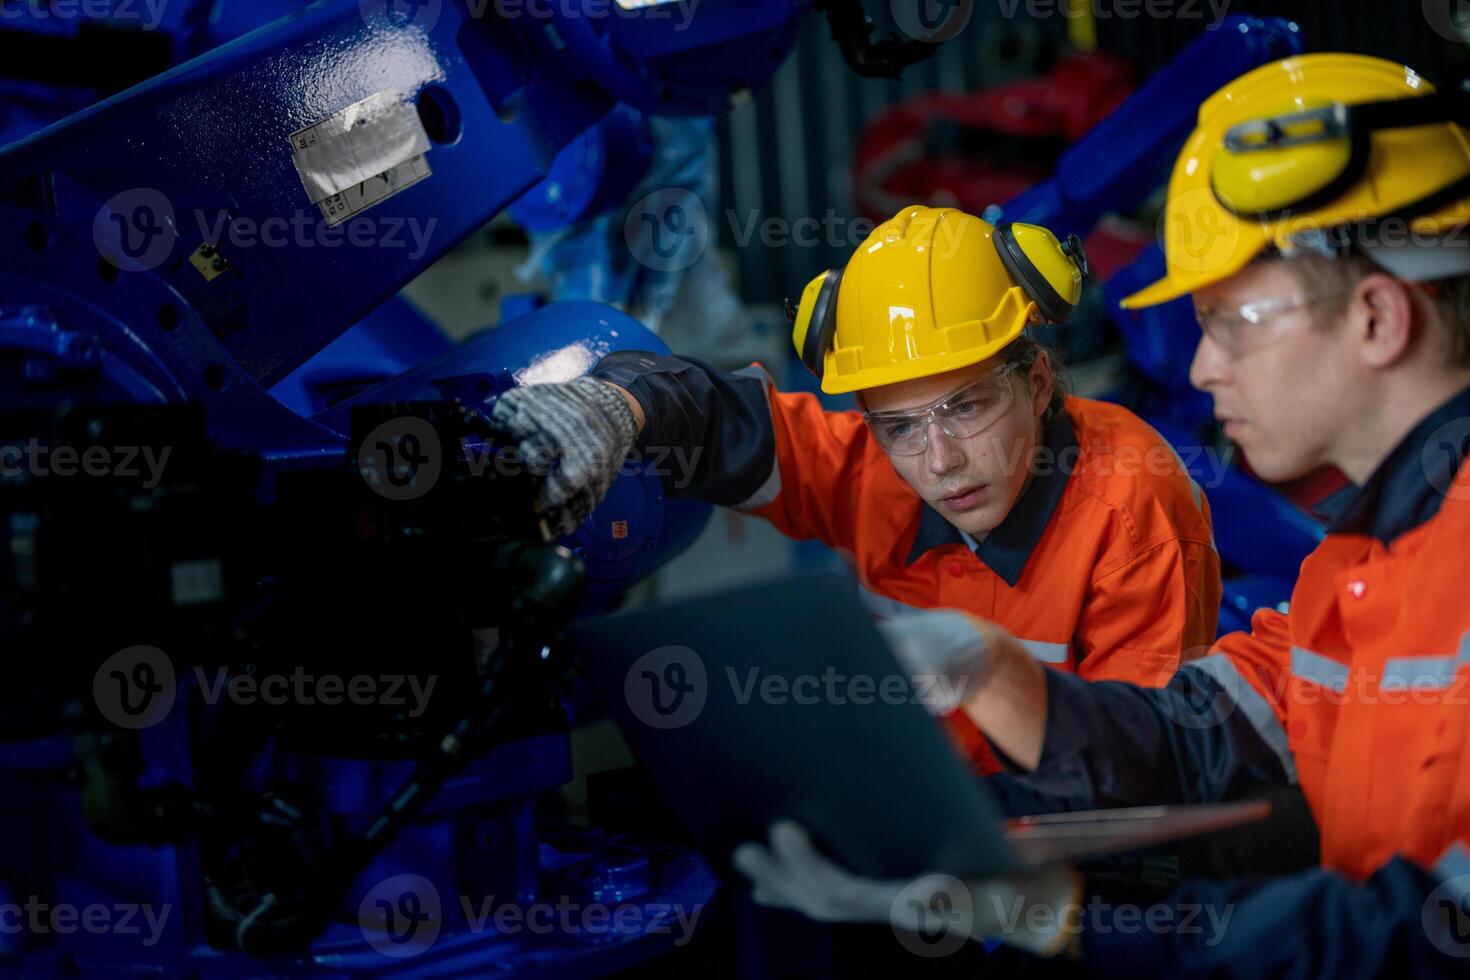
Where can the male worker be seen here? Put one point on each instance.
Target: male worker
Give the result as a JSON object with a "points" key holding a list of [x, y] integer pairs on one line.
{"points": [[1316, 215], [969, 480]]}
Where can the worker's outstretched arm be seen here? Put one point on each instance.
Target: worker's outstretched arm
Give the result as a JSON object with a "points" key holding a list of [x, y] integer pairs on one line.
{"points": [[1209, 733], [1111, 743], [707, 433], [778, 455], [722, 436]]}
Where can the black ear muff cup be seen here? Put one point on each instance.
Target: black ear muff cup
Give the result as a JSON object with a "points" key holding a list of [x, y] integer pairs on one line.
{"points": [[1052, 306], [823, 326]]}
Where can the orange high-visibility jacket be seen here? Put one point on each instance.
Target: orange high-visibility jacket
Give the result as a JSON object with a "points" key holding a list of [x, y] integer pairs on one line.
{"points": [[1365, 683]]}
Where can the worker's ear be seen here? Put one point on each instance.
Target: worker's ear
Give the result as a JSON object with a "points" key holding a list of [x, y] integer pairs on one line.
{"points": [[1041, 379], [1380, 317]]}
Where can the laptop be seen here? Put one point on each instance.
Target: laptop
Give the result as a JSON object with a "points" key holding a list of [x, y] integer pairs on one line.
{"points": [[782, 700]]}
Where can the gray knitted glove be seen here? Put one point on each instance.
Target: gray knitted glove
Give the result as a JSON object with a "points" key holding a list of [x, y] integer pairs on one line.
{"points": [[933, 914], [577, 434]]}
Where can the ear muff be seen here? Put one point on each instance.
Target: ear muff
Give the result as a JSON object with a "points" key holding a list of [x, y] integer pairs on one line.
{"points": [[1312, 158], [1303, 160], [1051, 272], [816, 320]]}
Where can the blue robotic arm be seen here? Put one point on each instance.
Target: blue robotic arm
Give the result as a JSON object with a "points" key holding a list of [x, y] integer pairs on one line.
{"points": [[183, 180], [1124, 158]]}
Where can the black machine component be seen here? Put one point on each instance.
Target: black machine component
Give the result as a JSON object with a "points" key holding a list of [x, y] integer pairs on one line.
{"points": [[242, 571]]}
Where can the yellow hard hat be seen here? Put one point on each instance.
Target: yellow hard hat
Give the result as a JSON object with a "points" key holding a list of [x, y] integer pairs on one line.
{"points": [[1306, 149], [931, 290]]}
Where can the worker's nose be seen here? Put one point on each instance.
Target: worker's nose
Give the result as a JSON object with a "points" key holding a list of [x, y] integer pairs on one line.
{"points": [[941, 455], [1210, 366]]}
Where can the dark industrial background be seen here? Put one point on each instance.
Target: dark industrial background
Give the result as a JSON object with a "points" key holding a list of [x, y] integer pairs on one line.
{"points": [[789, 153]]}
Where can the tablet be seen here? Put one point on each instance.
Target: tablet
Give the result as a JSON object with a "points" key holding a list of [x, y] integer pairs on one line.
{"points": [[782, 700]]}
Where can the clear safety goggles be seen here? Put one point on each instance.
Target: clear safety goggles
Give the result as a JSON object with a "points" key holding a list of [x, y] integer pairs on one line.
{"points": [[965, 413], [1239, 330]]}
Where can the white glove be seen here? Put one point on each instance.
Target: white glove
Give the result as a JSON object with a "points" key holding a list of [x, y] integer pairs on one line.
{"points": [[578, 433], [1037, 911], [944, 653]]}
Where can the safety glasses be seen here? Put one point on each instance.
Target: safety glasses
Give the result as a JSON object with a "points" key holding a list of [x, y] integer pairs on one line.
{"points": [[1240, 330], [965, 413], [1299, 161]]}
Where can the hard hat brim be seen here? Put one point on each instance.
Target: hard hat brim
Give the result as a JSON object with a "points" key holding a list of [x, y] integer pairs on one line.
{"points": [[1176, 285], [1156, 294], [834, 383], [1246, 241]]}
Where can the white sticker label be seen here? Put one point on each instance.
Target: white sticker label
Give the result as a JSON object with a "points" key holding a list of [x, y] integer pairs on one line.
{"points": [[368, 140], [355, 200]]}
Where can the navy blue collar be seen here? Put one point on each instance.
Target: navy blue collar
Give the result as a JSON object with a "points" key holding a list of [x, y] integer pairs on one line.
{"points": [[1006, 548], [1410, 484]]}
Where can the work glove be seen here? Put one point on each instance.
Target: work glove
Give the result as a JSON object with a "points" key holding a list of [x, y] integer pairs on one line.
{"points": [[946, 654], [1036, 911], [575, 433]]}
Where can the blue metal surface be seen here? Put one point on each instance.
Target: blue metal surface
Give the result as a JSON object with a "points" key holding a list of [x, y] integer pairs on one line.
{"points": [[1160, 343], [593, 173], [229, 19], [389, 340], [664, 60], [478, 844], [639, 253], [126, 32], [210, 138]]}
